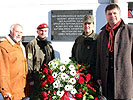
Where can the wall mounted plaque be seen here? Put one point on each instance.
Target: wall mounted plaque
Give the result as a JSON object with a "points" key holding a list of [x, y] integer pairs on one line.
{"points": [[66, 25]]}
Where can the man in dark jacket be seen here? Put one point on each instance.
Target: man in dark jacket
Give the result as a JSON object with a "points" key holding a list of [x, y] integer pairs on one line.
{"points": [[39, 52], [114, 69], [84, 48]]}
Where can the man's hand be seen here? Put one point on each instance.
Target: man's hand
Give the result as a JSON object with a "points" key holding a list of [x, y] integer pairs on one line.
{"points": [[7, 95]]}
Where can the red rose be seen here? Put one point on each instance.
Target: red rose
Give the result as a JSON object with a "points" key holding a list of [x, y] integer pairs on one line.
{"points": [[88, 77], [81, 80], [50, 79], [44, 94], [79, 95], [45, 71]]}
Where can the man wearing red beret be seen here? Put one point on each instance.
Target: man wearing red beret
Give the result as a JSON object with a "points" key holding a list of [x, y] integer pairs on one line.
{"points": [[39, 52]]}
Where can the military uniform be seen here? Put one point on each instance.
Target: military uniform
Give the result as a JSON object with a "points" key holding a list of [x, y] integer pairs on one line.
{"points": [[84, 49], [39, 52]]}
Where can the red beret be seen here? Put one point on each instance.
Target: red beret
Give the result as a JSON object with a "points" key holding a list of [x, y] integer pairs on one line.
{"points": [[41, 26]]}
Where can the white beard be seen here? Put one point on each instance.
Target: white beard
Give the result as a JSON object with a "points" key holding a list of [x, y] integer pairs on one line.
{"points": [[16, 40]]}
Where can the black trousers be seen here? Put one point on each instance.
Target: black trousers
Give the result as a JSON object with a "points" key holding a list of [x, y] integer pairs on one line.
{"points": [[110, 84], [110, 81]]}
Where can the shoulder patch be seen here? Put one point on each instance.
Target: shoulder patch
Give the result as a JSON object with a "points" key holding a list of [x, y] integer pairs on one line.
{"points": [[29, 55]]}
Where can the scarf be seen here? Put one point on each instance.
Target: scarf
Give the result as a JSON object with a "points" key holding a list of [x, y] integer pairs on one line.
{"points": [[111, 35]]}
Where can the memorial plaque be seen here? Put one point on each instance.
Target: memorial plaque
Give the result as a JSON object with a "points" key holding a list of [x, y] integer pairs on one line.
{"points": [[66, 25]]}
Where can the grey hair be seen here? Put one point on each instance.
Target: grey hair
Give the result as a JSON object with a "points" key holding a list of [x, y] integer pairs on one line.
{"points": [[12, 26]]}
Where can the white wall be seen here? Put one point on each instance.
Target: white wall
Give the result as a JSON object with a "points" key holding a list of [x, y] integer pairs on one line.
{"points": [[31, 13]]}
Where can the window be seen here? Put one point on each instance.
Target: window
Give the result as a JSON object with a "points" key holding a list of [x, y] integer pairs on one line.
{"points": [[130, 9]]}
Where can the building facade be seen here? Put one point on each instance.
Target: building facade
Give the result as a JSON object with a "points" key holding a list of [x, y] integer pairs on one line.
{"points": [[31, 13]]}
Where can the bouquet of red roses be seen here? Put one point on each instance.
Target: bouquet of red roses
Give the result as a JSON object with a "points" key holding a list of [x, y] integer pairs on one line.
{"points": [[67, 81]]}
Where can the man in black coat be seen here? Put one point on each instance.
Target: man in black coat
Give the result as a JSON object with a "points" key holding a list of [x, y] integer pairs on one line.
{"points": [[114, 69]]}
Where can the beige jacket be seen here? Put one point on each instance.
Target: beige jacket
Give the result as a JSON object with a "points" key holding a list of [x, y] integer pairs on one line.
{"points": [[13, 68]]}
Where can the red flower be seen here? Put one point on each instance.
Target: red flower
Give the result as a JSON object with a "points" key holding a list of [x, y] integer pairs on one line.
{"points": [[88, 77], [79, 95], [44, 94], [96, 98], [50, 79], [45, 71], [81, 80], [83, 91], [49, 92], [79, 89], [50, 72], [43, 83]]}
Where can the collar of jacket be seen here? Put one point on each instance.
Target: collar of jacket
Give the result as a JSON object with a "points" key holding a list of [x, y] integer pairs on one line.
{"points": [[9, 39], [43, 41], [122, 24], [39, 39], [92, 35], [12, 42]]}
